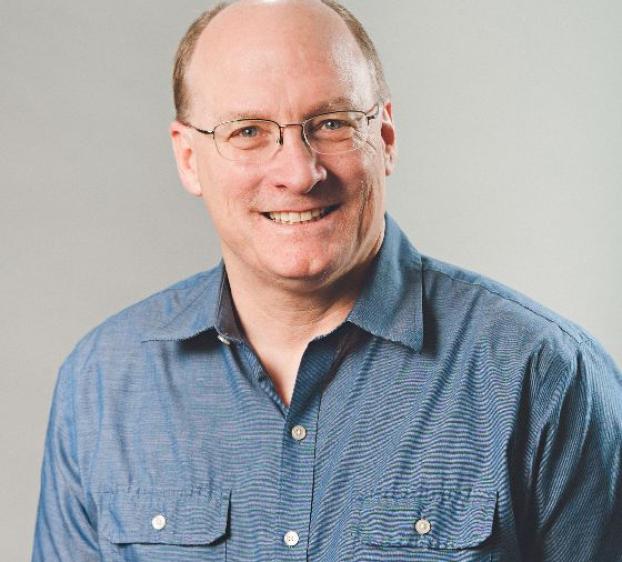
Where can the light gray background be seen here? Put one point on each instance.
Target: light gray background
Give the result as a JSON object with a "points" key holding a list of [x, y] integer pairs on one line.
{"points": [[510, 130]]}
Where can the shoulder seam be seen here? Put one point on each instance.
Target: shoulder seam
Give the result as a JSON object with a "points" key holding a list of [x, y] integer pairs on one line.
{"points": [[578, 341]]}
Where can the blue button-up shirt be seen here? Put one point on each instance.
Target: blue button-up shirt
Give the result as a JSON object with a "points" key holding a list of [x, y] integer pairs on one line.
{"points": [[448, 419]]}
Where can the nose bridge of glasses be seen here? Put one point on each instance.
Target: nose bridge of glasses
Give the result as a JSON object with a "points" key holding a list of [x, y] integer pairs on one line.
{"points": [[302, 132]]}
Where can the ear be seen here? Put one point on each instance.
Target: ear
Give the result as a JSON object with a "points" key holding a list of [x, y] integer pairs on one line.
{"points": [[387, 133], [185, 157]]}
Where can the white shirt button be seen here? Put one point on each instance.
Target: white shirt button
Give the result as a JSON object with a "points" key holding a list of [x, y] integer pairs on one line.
{"points": [[291, 538], [223, 339], [158, 522], [423, 526], [299, 433]]}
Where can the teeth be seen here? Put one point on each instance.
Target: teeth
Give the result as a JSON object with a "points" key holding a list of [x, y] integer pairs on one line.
{"points": [[290, 217]]}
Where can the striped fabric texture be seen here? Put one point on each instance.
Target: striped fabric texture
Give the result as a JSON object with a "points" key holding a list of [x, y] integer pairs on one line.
{"points": [[449, 418]]}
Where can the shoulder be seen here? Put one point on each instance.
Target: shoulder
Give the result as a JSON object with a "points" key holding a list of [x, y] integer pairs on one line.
{"points": [[450, 288], [519, 338], [521, 344], [122, 333]]}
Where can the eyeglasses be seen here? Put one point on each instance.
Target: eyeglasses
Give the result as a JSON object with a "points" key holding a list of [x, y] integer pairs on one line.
{"points": [[258, 140]]}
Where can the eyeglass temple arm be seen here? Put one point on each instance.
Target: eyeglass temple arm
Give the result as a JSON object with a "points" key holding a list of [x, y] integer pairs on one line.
{"points": [[202, 131], [370, 118]]}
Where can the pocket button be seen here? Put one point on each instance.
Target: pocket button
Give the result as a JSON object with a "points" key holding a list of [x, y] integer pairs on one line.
{"points": [[158, 522], [423, 526]]}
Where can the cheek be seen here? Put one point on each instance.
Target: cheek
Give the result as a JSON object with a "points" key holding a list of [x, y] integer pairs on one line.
{"points": [[371, 206], [371, 184], [228, 190]]}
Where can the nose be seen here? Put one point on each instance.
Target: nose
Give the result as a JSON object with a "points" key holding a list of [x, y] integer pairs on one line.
{"points": [[296, 166]]}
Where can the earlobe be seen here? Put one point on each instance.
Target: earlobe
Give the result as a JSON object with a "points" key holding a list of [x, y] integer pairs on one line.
{"points": [[389, 139], [185, 158]]}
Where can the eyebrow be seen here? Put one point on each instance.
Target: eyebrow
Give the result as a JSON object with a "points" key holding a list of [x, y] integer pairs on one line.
{"points": [[335, 104]]}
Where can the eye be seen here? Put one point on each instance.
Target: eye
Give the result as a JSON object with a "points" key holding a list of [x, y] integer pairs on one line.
{"points": [[249, 132], [332, 124]]}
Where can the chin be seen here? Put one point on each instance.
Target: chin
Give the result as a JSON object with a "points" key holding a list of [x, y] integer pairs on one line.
{"points": [[303, 275], [303, 271]]}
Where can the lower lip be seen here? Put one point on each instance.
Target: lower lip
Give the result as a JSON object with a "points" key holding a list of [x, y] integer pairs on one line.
{"points": [[305, 223]]}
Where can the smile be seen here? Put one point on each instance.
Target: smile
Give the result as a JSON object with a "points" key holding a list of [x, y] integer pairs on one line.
{"points": [[293, 217]]}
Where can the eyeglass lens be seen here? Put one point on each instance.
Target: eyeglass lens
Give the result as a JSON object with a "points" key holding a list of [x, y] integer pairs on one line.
{"points": [[258, 140]]}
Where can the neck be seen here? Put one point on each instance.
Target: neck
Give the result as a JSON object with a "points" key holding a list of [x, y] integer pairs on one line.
{"points": [[279, 319], [273, 314]]}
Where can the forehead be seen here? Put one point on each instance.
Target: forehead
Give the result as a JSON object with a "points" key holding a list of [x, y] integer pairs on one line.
{"points": [[274, 55]]}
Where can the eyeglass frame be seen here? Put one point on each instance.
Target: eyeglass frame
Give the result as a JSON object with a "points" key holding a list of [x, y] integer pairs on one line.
{"points": [[367, 114]]}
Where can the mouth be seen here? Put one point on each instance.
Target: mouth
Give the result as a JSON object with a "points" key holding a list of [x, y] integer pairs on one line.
{"points": [[293, 217]]}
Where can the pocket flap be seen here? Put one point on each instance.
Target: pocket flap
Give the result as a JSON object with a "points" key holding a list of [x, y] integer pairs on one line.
{"points": [[453, 519], [165, 517]]}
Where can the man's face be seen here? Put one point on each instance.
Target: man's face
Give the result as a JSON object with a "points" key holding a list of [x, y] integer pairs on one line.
{"points": [[285, 61]]}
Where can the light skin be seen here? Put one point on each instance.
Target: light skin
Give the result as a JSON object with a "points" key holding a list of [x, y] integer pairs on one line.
{"points": [[286, 60]]}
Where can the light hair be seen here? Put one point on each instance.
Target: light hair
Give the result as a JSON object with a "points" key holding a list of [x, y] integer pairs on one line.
{"points": [[189, 41]]}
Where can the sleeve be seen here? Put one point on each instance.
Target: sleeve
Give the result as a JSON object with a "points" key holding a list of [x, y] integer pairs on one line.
{"points": [[576, 495], [63, 530]]}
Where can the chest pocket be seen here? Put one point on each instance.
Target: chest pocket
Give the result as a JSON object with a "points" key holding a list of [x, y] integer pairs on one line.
{"points": [[426, 525], [165, 525]]}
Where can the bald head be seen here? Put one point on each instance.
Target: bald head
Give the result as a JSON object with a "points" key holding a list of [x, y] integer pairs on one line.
{"points": [[239, 29]]}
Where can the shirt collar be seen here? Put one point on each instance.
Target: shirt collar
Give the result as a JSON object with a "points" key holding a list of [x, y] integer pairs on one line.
{"points": [[390, 305], [194, 310]]}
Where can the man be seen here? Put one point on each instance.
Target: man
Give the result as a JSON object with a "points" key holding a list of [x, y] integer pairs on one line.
{"points": [[326, 393]]}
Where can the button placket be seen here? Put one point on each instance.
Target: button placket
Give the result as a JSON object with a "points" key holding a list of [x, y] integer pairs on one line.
{"points": [[298, 452]]}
